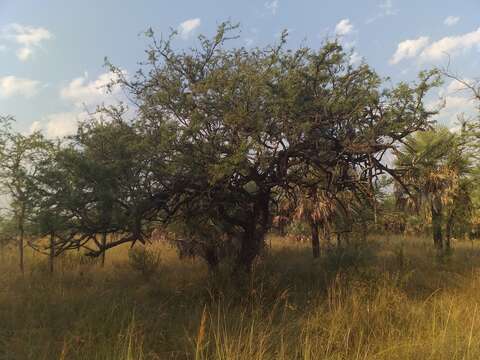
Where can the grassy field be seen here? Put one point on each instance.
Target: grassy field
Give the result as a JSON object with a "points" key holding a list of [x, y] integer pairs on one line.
{"points": [[390, 299]]}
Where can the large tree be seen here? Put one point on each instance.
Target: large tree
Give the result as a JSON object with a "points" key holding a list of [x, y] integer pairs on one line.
{"points": [[246, 120]]}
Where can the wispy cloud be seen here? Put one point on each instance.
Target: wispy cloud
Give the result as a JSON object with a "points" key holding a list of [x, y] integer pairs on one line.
{"points": [[355, 58], [84, 92], [385, 8], [27, 37], [454, 100], [272, 6], [16, 86], [84, 95], [187, 28], [344, 27], [451, 20]]}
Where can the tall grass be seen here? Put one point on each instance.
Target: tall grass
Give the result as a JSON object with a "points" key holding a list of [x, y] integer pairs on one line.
{"points": [[389, 299]]}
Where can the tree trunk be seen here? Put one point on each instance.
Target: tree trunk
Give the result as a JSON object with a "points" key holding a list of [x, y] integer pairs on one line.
{"points": [[211, 257], [52, 252], [104, 243], [21, 248], [448, 232], [282, 226], [254, 234], [249, 249], [347, 238], [21, 233], [364, 231], [436, 206], [315, 239]]}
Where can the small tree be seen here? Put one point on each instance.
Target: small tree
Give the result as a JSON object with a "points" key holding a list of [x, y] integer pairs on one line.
{"points": [[7, 234], [434, 166], [101, 184], [19, 158]]}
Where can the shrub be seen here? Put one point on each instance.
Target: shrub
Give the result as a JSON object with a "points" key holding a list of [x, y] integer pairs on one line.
{"points": [[145, 261]]}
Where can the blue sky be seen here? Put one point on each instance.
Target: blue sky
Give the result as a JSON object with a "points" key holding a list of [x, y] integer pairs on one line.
{"points": [[52, 51]]}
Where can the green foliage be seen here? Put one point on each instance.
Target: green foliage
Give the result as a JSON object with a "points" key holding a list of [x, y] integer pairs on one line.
{"points": [[247, 123], [143, 260], [436, 180], [215, 135]]}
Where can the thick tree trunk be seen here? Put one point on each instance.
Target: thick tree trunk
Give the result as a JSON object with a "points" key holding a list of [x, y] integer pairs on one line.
{"points": [[254, 234], [250, 248], [211, 257], [104, 243], [315, 240], [436, 206], [51, 257]]}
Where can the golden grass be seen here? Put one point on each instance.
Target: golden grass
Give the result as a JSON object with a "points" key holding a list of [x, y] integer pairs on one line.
{"points": [[390, 299]]}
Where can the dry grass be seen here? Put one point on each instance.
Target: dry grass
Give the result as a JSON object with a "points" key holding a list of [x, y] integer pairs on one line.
{"points": [[391, 299]]}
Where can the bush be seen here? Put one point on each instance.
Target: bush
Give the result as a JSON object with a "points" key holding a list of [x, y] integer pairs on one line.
{"points": [[350, 257], [145, 261]]}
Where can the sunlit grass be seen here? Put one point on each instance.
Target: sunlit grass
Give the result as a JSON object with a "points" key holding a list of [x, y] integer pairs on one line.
{"points": [[388, 299]]}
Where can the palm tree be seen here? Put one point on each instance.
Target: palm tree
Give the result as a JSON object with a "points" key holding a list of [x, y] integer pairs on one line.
{"points": [[318, 209], [433, 169]]}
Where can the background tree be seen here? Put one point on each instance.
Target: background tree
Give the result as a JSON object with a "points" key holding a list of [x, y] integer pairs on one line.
{"points": [[434, 166], [19, 158], [101, 188]]}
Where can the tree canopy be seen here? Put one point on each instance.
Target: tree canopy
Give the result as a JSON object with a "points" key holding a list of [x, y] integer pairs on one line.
{"points": [[214, 136]]}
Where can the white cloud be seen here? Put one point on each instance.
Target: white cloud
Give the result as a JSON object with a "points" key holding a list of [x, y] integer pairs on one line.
{"points": [[344, 27], [386, 8], [28, 37], [454, 106], [187, 27], [272, 6], [24, 53], [15, 86], [355, 58], [456, 86], [62, 124], [450, 45], [451, 20], [3, 48], [35, 126], [58, 125], [408, 49], [454, 102], [84, 95], [82, 92]]}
